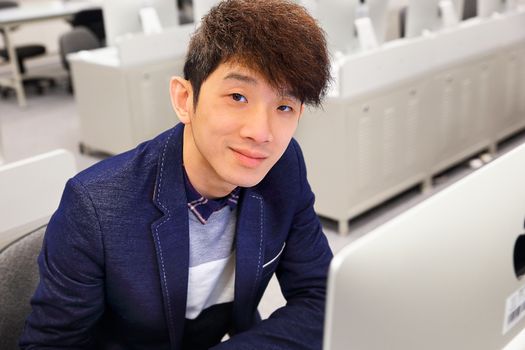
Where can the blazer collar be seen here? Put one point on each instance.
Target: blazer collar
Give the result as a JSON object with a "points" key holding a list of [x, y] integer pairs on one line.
{"points": [[171, 233]]}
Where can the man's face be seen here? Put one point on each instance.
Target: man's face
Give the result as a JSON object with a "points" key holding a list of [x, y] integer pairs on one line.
{"points": [[238, 131]]}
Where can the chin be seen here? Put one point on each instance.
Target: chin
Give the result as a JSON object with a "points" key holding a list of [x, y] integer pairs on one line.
{"points": [[247, 180]]}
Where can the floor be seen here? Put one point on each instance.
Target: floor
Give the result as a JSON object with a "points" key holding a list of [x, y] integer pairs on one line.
{"points": [[50, 121]]}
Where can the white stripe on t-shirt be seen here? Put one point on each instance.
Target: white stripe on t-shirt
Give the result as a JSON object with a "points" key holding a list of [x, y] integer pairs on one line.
{"points": [[209, 284]]}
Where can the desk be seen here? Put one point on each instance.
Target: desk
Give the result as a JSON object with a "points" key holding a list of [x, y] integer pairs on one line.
{"points": [[24, 14]]}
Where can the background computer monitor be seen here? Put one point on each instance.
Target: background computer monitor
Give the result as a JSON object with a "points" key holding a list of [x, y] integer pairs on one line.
{"points": [[487, 7], [422, 15], [337, 17], [442, 275], [310, 5], [121, 17], [377, 11], [201, 8]]}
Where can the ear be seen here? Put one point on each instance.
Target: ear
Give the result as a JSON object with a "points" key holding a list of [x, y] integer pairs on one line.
{"points": [[181, 94]]}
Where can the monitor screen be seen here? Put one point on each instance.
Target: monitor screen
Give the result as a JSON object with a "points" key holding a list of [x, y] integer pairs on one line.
{"points": [[121, 17], [487, 7], [337, 17], [446, 274], [422, 15], [201, 8], [377, 11]]}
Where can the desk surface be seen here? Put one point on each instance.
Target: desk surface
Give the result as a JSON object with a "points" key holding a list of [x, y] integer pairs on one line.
{"points": [[104, 56], [43, 11]]}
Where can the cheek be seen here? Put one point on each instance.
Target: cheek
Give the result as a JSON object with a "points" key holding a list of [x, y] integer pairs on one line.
{"points": [[214, 122], [283, 132]]}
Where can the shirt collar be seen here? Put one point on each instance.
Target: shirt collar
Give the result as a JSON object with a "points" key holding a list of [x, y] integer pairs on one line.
{"points": [[203, 207]]}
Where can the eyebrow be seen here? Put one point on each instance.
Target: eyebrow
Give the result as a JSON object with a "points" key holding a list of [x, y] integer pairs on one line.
{"points": [[250, 80], [241, 77]]}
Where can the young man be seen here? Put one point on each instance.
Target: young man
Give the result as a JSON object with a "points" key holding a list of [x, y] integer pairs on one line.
{"points": [[171, 245]]}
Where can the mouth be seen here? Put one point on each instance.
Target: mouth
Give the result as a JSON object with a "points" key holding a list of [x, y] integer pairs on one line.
{"points": [[248, 158]]}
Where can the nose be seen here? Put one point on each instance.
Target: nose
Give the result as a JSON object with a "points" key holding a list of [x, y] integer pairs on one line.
{"points": [[257, 126]]}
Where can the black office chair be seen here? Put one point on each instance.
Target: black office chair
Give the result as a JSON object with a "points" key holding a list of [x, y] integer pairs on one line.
{"points": [[24, 52], [93, 20], [77, 39]]}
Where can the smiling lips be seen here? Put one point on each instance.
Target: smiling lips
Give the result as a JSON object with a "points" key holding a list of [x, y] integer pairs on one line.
{"points": [[249, 158]]}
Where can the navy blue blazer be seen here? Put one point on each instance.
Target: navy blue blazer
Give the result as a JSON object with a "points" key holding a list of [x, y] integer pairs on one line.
{"points": [[114, 263]]}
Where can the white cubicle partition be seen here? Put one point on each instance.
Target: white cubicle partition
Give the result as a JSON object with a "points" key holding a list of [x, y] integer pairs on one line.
{"points": [[411, 109], [402, 60], [146, 48], [136, 74], [31, 188], [1, 147]]}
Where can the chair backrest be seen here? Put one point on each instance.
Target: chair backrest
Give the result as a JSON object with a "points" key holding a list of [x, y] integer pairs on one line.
{"points": [[91, 19], [75, 40], [470, 9], [31, 188], [6, 4], [18, 281]]}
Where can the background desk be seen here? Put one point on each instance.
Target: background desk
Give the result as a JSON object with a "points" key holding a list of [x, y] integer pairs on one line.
{"points": [[10, 18]]}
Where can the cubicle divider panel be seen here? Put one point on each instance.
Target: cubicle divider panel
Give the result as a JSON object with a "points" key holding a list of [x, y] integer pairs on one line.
{"points": [[511, 111], [363, 150], [31, 188], [323, 139], [120, 107], [387, 144], [101, 97], [462, 105], [149, 97]]}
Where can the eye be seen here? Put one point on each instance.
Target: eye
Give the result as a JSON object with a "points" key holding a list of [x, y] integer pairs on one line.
{"points": [[285, 108], [238, 97]]}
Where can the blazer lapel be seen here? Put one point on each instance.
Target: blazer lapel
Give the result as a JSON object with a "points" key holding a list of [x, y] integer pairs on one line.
{"points": [[249, 254], [171, 235]]}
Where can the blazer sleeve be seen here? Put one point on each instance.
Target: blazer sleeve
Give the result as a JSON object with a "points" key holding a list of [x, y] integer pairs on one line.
{"points": [[69, 298], [302, 274]]}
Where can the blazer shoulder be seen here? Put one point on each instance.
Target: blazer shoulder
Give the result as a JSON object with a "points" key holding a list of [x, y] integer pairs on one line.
{"points": [[136, 164]]}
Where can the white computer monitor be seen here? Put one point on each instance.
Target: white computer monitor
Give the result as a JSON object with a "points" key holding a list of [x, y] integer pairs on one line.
{"points": [[487, 7], [337, 17], [421, 16], [201, 8], [121, 17], [310, 5], [443, 275], [377, 11]]}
